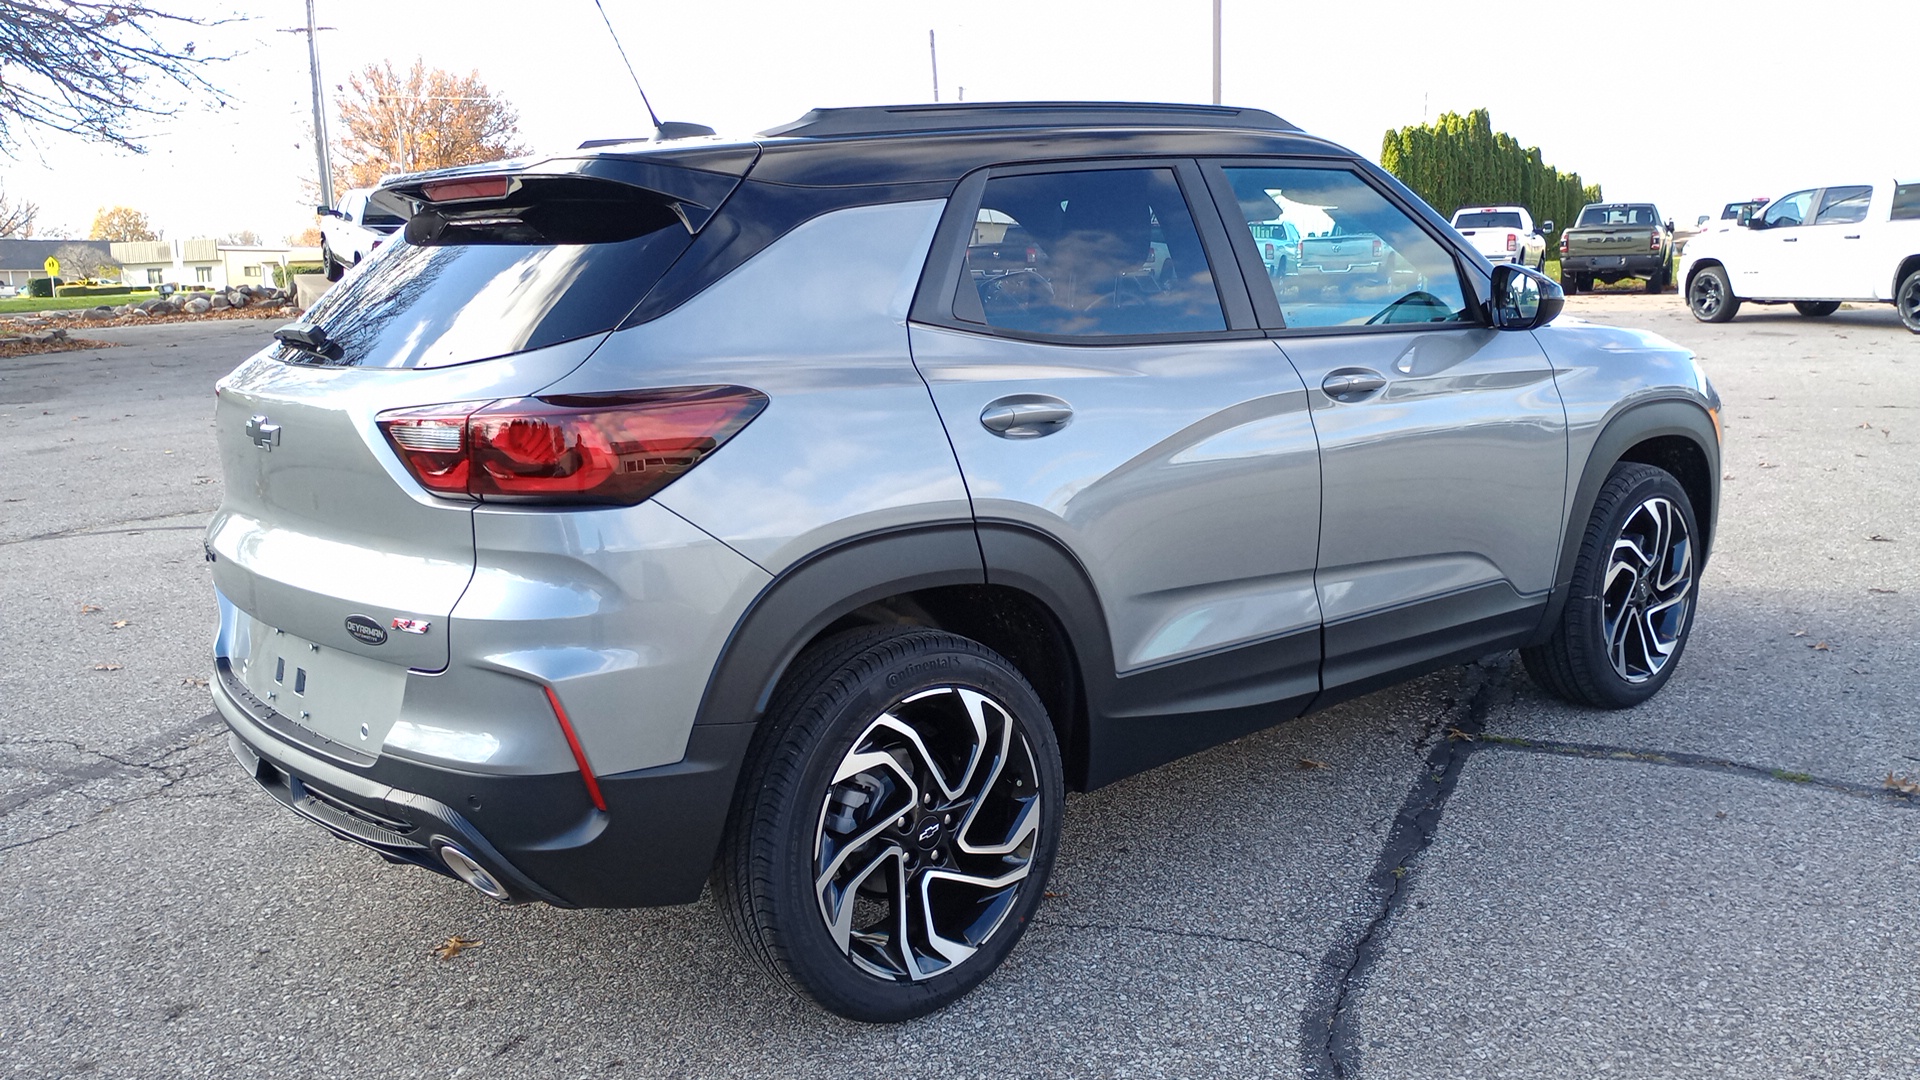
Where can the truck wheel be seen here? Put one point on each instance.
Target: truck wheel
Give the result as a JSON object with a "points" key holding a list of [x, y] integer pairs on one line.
{"points": [[1569, 282], [1654, 284], [1907, 299], [1816, 309], [896, 823], [1631, 603], [333, 269], [1710, 296]]}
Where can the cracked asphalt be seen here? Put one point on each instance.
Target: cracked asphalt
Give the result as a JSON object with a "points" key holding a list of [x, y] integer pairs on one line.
{"points": [[1458, 877]]}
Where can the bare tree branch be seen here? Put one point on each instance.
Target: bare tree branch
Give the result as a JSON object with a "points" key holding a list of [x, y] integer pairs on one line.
{"points": [[90, 67], [16, 218]]}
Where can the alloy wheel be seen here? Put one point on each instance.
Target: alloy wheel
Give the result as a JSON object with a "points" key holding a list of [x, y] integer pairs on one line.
{"points": [[927, 833], [1706, 295], [1647, 590], [1909, 300]]}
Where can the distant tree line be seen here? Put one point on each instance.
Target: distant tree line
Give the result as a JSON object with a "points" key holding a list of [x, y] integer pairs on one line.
{"points": [[1461, 161]]}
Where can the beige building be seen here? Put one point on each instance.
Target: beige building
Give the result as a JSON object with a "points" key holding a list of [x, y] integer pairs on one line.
{"points": [[205, 263]]}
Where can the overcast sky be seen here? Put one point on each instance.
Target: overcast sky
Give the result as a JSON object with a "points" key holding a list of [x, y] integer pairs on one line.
{"points": [[1683, 103]]}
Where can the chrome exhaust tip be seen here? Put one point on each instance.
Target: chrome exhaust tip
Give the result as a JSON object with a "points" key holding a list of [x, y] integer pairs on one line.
{"points": [[473, 873]]}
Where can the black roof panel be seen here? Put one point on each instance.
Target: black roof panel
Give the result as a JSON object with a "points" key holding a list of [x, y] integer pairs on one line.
{"points": [[996, 115]]}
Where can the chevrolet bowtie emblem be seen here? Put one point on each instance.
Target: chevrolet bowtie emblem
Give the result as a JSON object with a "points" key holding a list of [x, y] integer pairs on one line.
{"points": [[264, 433]]}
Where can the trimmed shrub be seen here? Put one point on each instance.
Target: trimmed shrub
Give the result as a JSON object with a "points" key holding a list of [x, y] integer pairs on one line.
{"points": [[93, 290], [40, 287]]}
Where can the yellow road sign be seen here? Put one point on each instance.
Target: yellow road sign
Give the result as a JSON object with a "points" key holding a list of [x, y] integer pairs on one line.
{"points": [[53, 266]]}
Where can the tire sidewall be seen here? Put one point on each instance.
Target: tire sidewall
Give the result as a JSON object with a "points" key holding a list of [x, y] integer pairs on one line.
{"points": [[1909, 317], [1586, 606], [1724, 311], [928, 661]]}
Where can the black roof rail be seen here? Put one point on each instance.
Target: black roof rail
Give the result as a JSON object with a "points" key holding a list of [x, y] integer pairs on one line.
{"points": [[968, 116]]}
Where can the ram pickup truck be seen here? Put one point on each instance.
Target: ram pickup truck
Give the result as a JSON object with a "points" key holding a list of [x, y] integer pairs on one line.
{"points": [[1614, 241], [1504, 234], [1340, 253], [1814, 248]]}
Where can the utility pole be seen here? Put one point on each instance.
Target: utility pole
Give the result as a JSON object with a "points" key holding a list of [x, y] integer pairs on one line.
{"points": [[1216, 50], [320, 109], [934, 52]]}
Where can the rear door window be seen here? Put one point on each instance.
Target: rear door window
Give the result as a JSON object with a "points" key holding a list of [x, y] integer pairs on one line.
{"points": [[1906, 202], [556, 259], [1088, 253], [1844, 205]]}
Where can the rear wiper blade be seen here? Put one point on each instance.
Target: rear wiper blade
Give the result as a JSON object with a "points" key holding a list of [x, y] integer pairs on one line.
{"points": [[308, 338]]}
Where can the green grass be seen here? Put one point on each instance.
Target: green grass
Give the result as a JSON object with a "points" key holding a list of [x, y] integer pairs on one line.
{"points": [[19, 305]]}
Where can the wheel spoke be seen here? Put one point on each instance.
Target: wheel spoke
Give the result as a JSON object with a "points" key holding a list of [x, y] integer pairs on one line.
{"points": [[836, 903]]}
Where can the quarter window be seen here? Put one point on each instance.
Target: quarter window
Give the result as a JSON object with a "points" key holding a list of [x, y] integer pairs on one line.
{"points": [[1092, 253], [1906, 202], [1844, 205], [1358, 260]]}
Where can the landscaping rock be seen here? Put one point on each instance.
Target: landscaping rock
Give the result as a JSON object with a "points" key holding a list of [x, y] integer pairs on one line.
{"points": [[219, 302], [199, 305]]}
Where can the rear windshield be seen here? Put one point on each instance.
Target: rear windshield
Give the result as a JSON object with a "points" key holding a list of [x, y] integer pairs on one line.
{"points": [[555, 260], [1618, 215], [1486, 221]]}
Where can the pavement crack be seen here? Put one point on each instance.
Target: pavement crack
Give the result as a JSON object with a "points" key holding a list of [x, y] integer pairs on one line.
{"points": [[1329, 1039], [1683, 760], [115, 528], [1165, 931], [146, 756]]}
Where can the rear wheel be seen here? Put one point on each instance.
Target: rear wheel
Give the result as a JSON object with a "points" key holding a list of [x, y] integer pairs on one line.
{"points": [[896, 824], [327, 262], [1630, 608], [1710, 297], [1816, 309], [1656, 282], [1907, 299]]}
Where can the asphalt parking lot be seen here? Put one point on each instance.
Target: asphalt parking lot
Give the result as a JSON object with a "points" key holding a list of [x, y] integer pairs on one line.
{"points": [[1455, 878]]}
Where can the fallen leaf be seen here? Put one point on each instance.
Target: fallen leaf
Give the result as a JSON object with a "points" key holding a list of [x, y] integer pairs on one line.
{"points": [[1768, 465], [1799, 633], [106, 665], [456, 945], [88, 609], [1868, 424], [120, 624], [193, 680], [1903, 784], [1877, 538], [1456, 735], [1309, 763], [1821, 646]]}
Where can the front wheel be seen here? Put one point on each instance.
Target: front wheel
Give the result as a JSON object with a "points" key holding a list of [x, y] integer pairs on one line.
{"points": [[1816, 309], [1635, 583], [1710, 296], [896, 823], [1907, 299], [327, 262]]}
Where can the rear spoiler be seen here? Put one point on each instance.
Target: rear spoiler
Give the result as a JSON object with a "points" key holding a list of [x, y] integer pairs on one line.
{"points": [[693, 182]]}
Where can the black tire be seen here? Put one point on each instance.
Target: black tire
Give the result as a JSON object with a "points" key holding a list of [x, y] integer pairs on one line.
{"points": [[1654, 283], [1569, 283], [1586, 283], [1636, 583], [1816, 309], [333, 269], [1907, 299], [802, 844], [1710, 296]]}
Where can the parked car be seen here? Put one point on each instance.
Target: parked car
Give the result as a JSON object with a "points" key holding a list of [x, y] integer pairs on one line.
{"points": [[1614, 241], [9, 290], [755, 539], [1279, 245], [351, 231], [1815, 248], [1504, 234]]}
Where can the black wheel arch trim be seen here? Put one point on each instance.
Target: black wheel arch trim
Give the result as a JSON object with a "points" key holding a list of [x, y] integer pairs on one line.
{"points": [[1637, 424]]}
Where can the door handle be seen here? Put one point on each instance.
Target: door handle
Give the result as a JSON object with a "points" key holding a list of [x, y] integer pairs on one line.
{"points": [[1025, 416], [1351, 385], [1851, 236], [1789, 239]]}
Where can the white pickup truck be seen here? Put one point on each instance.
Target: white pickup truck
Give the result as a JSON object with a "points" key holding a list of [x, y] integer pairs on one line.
{"points": [[1504, 234], [1814, 248]]}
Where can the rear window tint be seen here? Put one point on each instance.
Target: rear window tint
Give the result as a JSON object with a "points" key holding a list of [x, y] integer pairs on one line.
{"points": [[1486, 221], [556, 260], [1594, 216], [1906, 202]]}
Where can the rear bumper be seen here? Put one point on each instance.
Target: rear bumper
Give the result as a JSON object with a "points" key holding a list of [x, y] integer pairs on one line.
{"points": [[1623, 265], [538, 835]]}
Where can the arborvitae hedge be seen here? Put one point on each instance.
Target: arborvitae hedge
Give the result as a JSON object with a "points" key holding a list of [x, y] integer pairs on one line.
{"points": [[1461, 161]]}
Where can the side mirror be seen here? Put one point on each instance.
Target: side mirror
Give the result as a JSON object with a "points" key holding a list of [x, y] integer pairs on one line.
{"points": [[1755, 222], [1524, 298], [326, 211], [1669, 224], [1546, 227]]}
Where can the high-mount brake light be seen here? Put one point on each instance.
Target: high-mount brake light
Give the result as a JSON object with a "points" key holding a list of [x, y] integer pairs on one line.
{"points": [[617, 448], [485, 187]]}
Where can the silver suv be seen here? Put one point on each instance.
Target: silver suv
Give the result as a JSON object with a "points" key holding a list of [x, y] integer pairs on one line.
{"points": [[698, 510]]}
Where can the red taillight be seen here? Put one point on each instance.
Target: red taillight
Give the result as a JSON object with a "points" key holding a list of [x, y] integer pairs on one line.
{"points": [[580, 448], [1653, 243], [487, 187], [1376, 249], [1033, 255], [1563, 243], [1510, 242]]}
